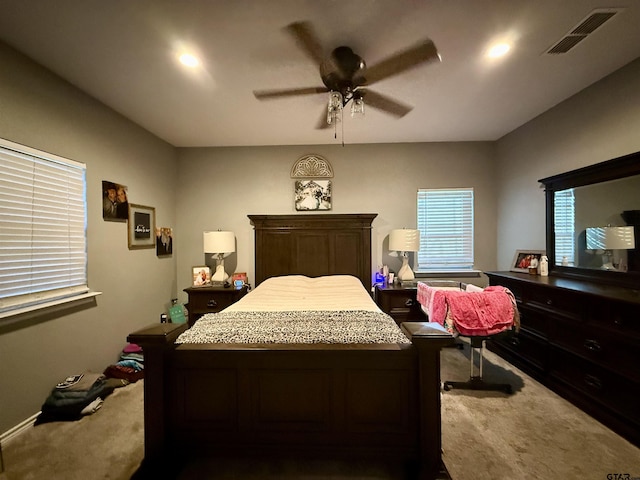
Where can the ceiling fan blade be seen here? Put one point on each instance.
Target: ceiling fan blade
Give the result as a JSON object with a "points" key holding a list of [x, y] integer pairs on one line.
{"points": [[384, 103], [400, 62], [306, 38], [288, 92]]}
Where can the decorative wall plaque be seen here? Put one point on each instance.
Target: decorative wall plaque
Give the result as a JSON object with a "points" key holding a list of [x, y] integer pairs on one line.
{"points": [[312, 166]]}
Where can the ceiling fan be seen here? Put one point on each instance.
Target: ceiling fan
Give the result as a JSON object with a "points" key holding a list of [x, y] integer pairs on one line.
{"points": [[346, 77]]}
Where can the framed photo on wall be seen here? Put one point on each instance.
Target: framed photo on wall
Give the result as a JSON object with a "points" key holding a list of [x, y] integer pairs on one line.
{"points": [[164, 241], [142, 227], [115, 203], [522, 260], [313, 195]]}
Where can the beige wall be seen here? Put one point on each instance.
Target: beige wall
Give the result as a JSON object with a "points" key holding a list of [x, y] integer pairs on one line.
{"points": [[39, 110], [219, 187], [600, 123]]}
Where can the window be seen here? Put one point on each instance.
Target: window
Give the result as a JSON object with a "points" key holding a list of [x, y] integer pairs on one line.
{"points": [[445, 221], [564, 213], [43, 244]]}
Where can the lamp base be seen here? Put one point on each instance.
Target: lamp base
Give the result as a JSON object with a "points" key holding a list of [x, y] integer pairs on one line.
{"points": [[220, 275], [405, 273]]}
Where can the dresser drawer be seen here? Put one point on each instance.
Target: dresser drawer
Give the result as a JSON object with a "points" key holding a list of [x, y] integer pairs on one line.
{"points": [[617, 317], [617, 352], [526, 347], [533, 320], [602, 385], [555, 302]]}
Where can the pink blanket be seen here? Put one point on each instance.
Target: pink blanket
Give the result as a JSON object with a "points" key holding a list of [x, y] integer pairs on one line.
{"points": [[488, 312]]}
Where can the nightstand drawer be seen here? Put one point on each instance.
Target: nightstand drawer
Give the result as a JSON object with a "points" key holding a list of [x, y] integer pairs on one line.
{"points": [[399, 302], [402, 301], [211, 299], [211, 302]]}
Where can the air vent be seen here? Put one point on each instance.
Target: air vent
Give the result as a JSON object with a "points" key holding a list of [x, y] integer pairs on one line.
{"points": [[586, 27]]}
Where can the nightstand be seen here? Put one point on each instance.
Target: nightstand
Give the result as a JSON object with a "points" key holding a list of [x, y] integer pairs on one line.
{"points": [[211, 299], [399, 302]]}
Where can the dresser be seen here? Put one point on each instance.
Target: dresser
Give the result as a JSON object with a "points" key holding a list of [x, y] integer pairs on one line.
{"points": [[399, 302], [211, 299], [582, 340]]}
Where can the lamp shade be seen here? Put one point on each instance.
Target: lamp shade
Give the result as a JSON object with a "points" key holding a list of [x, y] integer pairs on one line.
{"points": [[404, 240], [610, 238], [219, 242]]}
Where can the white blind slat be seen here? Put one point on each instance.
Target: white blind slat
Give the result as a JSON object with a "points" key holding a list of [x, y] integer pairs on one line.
{"points": [[43, 246], [445, 221], [563, 225]]}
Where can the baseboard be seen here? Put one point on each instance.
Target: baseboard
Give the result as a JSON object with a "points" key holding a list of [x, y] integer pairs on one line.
{"points": [[18, 429]]}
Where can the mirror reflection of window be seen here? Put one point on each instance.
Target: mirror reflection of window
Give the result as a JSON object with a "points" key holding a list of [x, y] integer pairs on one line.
{"points": [[564, 220]]}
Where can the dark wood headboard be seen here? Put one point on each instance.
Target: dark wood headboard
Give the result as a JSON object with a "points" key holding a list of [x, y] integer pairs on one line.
{"points": [[313, 245]]}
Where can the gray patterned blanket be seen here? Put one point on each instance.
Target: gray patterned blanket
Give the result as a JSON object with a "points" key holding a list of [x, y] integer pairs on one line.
{"points": [[343, 326]]}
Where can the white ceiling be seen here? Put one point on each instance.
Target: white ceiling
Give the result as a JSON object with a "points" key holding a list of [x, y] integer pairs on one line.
{"points": [[122, 52]]}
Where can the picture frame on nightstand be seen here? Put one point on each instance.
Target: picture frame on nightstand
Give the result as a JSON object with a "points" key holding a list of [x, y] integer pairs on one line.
{"points": [[201, 276], [239, 279]]}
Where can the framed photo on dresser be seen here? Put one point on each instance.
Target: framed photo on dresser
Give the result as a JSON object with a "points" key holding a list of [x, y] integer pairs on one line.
{"points": [[523, 259]]}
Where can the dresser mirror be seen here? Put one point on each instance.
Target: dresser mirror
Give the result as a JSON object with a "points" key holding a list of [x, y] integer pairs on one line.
{"points": [[593, 222]]}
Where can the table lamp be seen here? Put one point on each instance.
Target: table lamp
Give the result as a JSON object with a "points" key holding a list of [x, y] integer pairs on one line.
{"points": [[221, 245], [608, 239], [404, 240]]}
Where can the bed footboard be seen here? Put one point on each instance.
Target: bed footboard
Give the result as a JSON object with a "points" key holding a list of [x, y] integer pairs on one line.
{"points": [[335, 400], [157, 342]]}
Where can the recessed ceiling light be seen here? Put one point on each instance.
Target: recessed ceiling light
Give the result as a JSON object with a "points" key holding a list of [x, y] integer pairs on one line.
{"points": [[498, 50], [189, 60]]}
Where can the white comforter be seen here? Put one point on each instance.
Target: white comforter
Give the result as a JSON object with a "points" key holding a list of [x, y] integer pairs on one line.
{"points": [[298, 309], [297, 292]]}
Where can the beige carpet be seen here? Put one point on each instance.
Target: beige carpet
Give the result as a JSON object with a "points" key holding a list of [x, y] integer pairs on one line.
{"points": [[106, 445], [532, 434]]}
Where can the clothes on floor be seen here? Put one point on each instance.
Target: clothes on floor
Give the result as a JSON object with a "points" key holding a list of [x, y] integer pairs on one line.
{"points": [[130, 366], [84, 393], [71, 400]]}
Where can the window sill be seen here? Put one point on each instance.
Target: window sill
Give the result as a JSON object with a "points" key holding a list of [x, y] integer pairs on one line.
{"points": [[53, 306], [449, 274]]}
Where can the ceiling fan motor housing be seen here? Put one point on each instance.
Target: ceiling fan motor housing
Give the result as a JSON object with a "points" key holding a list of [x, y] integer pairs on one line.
{"points": [[340, 70]]}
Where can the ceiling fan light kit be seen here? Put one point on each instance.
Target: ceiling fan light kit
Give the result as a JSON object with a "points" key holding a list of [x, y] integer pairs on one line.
{"points": [[345, 76]]}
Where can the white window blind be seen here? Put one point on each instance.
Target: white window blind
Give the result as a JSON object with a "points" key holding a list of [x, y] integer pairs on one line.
{"points": [[445, 221], [43, 246], [563, 225]]}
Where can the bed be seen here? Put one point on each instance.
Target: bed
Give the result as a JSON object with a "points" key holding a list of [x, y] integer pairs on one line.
{"points": [[376, 398]]}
